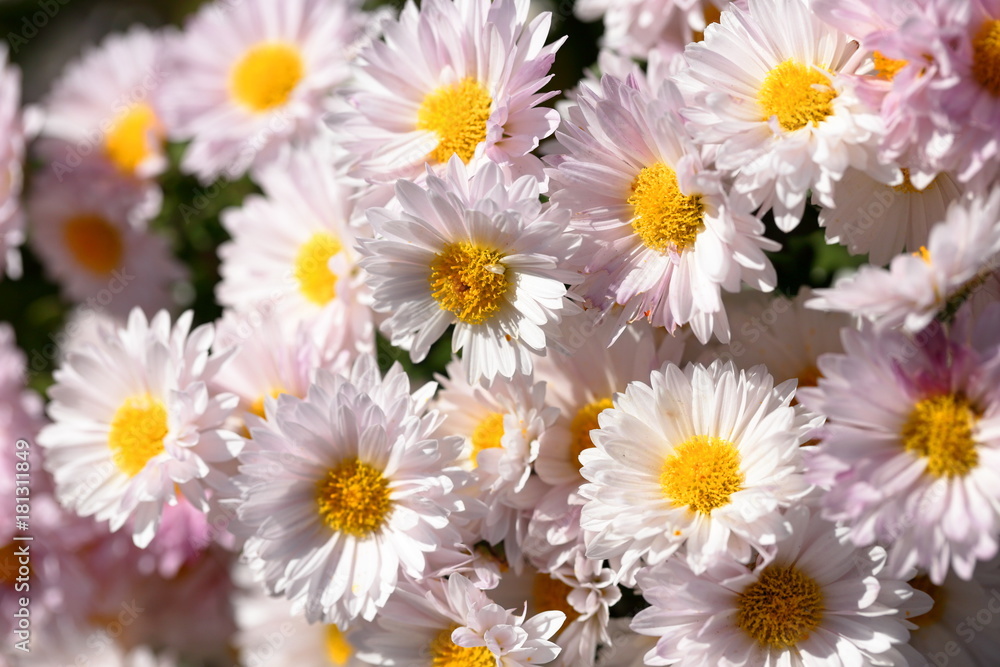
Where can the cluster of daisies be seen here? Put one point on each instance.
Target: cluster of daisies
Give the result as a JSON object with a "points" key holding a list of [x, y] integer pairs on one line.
{"points": [[640, 452]]}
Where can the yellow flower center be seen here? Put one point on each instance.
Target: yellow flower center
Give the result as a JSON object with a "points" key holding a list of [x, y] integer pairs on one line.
{"points": [[924, 254], [583, 423], [551, 594], [137, 432], [468, 280], [886, 68], [338, 649], [487, 435], [317, 282], [701, 474], [797, 94], [940, 430], [94, 243], [257, 407], [986, 56], [664, 217], [446, 653], [781, 608], [266, 75], [938, 594], [907, 187], [353, 498], [457, 113], [135, 134]]}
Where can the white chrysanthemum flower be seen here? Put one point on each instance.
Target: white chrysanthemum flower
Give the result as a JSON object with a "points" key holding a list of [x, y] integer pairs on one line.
{"points": [[271, 635], [346, 490], [134, 426], [101, 108], [819, 602], [772, 87], [910, 453], [582, 385], [81, 232], [454, 624], [705, 458], [584, 590], [955, 631], [452, 78], [11, 167], [780, 333], [292, 250], [884, 220], [663, 237], [245, 80], [636, 27], [268, 362], [960, 254], [480, 252], [627, 648], [500, 422]]}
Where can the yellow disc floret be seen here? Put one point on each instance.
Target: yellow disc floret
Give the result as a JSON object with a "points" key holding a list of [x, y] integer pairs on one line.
{"points": [[583, 423], [797, 94], [468, 280], [338, 649], [886, 68], [457, 113], [266, 75], [487, 434], [940, 429], [551, 594], [781, 608], [353, 498], [663, 216], [701, 474], [986, 56], [317, 282], [137, 432], [133, 137], [446, 653], [94, 242]]}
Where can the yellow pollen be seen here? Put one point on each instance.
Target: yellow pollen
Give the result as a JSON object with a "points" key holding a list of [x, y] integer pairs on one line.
{"points": [[940, 430], [923, 254], [266, 75], [338, 649], [938, 595], [551, 594], [797, 94], [137, 432], [457, 113], [487, 435], [446, 653], [663, 216], [701, 474], [886, 68], [781, 608], [986, 56], [94, 243], [135, 134], [583, 423], [257, 407], [907, 186], [353, 498], [468, 280], [312, 268]]}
